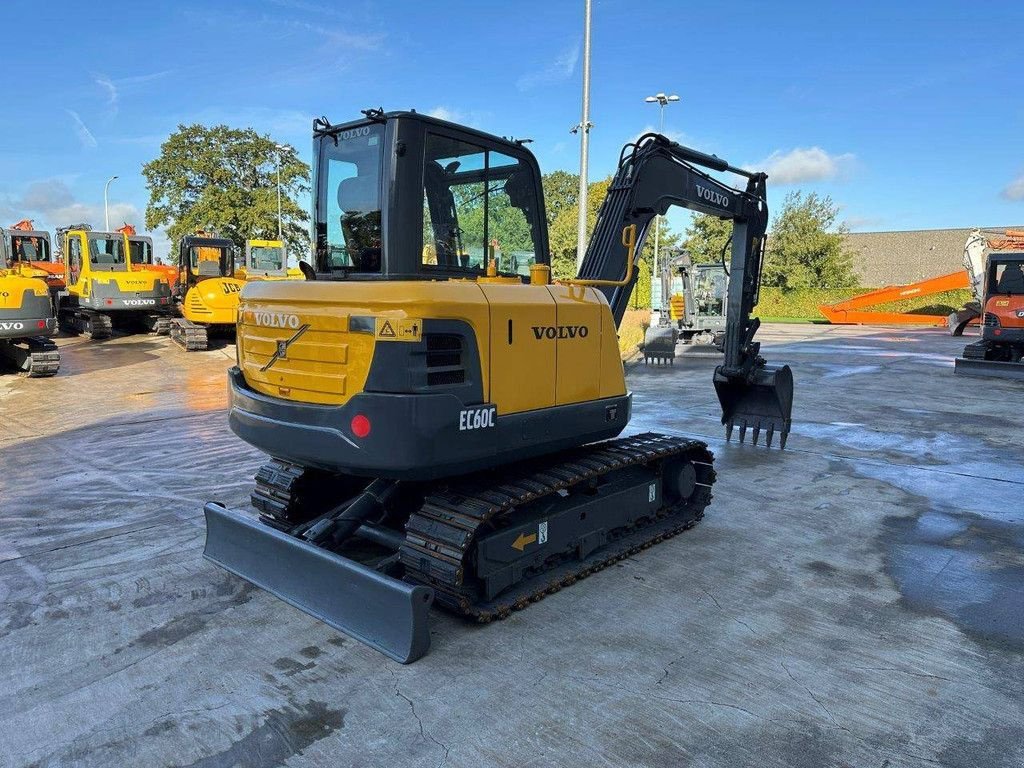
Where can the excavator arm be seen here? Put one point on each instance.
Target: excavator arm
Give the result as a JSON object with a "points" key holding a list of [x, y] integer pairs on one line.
{"points": [[653, 174]]}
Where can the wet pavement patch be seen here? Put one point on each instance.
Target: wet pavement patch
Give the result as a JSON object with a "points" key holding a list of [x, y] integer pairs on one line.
{"points": [[965, 567], [284, 733]]}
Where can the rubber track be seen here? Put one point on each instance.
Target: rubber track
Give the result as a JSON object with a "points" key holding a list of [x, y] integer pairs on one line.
{"points": [[161, 325], [188, 335], [43, 358], [440, 535]]}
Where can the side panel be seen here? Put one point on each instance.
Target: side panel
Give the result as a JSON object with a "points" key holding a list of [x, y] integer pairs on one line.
{"points": [[522, 355], [578, 343], [613, 376]]}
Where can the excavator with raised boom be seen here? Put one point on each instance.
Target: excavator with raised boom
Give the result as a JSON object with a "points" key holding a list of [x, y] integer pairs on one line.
{"points": [[102, 289], [444, 427], [206, 293]]}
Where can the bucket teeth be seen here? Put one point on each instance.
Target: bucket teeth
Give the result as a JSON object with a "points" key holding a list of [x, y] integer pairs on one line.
{"points": [[769, 427]]}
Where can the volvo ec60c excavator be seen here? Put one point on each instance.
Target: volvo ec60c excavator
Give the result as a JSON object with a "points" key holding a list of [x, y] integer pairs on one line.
{"points": [[434, 416]]}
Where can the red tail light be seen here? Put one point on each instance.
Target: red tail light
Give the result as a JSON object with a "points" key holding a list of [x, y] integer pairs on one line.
{"points": [[360, 425]]}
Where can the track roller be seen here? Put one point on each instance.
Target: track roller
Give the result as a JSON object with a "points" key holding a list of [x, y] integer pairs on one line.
{"points": [[188, 335]]}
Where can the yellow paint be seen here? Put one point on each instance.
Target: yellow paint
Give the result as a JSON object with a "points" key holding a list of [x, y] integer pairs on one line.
{"points": [[135, 278], [398, 329], [523, 539], [544, 361]]}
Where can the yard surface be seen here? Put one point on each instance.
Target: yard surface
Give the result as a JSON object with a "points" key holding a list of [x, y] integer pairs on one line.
{"points": [[854, 600]]}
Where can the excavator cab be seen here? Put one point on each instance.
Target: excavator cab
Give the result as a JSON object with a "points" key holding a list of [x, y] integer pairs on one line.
{"points": [[264, 260], [27, 251]]}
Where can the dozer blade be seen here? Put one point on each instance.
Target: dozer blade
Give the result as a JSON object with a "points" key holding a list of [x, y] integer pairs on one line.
{"points": [[385, 613], [766, 403], [998, 369]]}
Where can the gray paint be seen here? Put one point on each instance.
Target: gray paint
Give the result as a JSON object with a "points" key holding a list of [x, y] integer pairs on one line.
{"points": [[781, 631]]}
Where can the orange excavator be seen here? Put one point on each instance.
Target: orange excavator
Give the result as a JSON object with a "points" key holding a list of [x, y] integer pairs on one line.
{"points": [[28, 250], [856, 311], [140, 253]]}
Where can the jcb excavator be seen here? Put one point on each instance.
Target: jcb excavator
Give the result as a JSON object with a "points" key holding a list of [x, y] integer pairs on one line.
{"points": [[101, 287], [442, 429], [206, 294], [26, 321]]}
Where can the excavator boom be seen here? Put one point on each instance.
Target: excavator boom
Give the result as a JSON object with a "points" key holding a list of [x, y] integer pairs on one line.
{"points": [[654, 174]]}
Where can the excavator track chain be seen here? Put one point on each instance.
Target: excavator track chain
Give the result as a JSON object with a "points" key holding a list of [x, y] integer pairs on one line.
{"points": [[441, 535], [159, 325], [93, 324], [188, 335], [43, 357], [37, 356]]}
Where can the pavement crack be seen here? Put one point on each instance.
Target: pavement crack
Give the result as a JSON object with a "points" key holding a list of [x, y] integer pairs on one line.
{"points": [[741, 621], [905, 672], [816, 699], [419, 722], [713, 600], [665, 671]]}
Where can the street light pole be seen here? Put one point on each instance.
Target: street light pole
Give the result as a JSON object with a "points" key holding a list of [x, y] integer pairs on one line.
{"points": [[584, 129], [281, 149], [662, 101], [106, 212]]}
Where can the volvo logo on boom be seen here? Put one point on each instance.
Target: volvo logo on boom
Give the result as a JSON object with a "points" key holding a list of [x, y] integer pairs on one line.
{"points": [[712, 196], [276, 320], [560, 331]]}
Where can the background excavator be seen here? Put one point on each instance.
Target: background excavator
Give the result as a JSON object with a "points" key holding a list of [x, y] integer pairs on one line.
{"points": [[694, 298], [995, 263], [101, 287], [266, 260], [141, 255], [29, 253], [443, 429], [206, 292], [27, 321]]}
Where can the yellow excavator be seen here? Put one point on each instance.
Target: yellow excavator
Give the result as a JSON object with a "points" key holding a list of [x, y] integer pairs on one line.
{"points": [[445, 429], [28, 253], [266, 260], [27, 320], [102, 289], [206, 293]]}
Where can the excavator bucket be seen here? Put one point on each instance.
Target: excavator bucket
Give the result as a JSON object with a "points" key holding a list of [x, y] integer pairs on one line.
{"points": [[385, 613], [763, 403], [660, 344]]}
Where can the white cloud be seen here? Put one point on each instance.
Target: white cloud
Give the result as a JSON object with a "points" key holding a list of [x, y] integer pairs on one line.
{"points": [[107, 85], [338, 38], [84, 134], [561, 68], [471, 118], [1015, 189], [803, 165]]}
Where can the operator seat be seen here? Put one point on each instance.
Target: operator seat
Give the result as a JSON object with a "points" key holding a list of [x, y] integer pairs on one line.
{"points": [[360, 221], [1012, 281]]}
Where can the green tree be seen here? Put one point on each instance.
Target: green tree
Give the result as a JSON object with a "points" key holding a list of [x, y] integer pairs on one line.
{"points": [[806, 246], [706, 237], [225, 179], [561, 190], [562, 237]]}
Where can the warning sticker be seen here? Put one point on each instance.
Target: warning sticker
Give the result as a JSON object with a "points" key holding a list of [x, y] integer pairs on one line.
{"points": [[394, 329]]}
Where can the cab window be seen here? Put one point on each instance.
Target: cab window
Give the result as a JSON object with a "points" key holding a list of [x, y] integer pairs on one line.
{"points": [[106, 252], [478, 204]]}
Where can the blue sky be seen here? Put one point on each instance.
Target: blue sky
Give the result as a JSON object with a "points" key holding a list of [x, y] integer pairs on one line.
{"points": [[904, 113]]}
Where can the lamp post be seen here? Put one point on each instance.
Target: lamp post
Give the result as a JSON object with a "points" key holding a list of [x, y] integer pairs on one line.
{"points": [[281, 150], [662, 101], [106, 212], [584, 130]]}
